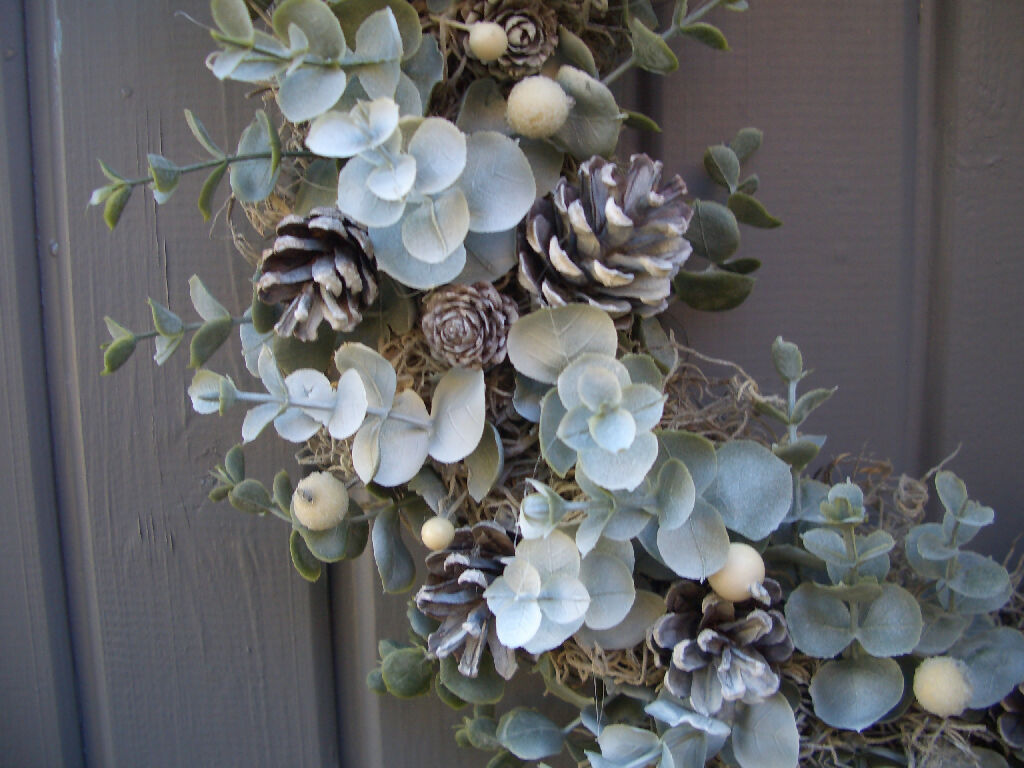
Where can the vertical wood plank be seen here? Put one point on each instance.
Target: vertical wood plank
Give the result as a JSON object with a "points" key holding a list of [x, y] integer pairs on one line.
{"points": [[975, 342], [38, 707], [195, 642], [834, 87]]}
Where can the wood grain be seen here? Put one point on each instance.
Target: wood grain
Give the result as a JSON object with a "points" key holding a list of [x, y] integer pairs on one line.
{"points": [[195, 642]]}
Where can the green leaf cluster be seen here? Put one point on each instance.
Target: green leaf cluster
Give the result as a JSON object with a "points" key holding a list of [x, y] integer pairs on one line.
{"points": [[714, 230]]}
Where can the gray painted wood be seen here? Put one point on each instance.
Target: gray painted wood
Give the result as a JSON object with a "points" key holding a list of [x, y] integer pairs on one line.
{"points": [[893, 153], [38, 707], [194, 642]]}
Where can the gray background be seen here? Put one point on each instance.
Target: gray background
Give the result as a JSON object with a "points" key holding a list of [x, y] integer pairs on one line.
{"points": [[142, 625]]}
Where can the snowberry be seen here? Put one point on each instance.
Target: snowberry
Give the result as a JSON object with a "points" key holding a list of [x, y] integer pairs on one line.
{"points": [[537, 107], [487, 41], [743, 568], [941, 686], [437, 533], [320, 501]]}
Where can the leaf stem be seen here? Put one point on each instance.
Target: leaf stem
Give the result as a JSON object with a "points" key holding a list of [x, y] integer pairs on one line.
{"points": [[218, 161], [188, 328], [672, 31]]}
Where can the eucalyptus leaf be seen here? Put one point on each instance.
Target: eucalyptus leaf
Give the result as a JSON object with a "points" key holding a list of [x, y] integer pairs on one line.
{"points": [[594, 121], [978, 576], [854, 693], [303, 560], [395, 260], [250, 496], [699, 546], [941, 629], [819, 622], [308, 92], [764, 735], [424, 68], [407, 672], [208, 339], [610, 586], [489, 256], [746, 142], [529, 735], [434, 229], [650, 49], [353, 13], [485, 464], [708, 34], [318, 186], [253, 180], [753, 490], [749, 210], [695, 451], [483, 108], [394, 563], [892, 625], [722, 165], [630, 632], [713, 290], [209, 188], [543, 343], [232, 18], [486, 688], [497, 181], [403, 446], [440, 151], [458, 414], [995, 663], [316, 21], [713, 231]]}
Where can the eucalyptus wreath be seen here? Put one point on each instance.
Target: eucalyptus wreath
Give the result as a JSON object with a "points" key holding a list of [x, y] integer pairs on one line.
{"points": [[455, 316]]}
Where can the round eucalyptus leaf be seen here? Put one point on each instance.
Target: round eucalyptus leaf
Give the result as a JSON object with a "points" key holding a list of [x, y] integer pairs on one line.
{"points": [[563, 599], [458, 414], [256, 420], [643, 370], [826, 544], [699, 546], [552, 556], [543, 343], [713, 231], [393, 259], [645, 403], [518, 622], [929, 569], [675, 493], [308, 92], [403, 446], [434, 229], [576, 378], [940, 630], [205, 391], [232, 18], [557, 454], [303, 560], [753, 490], [765, 735], [609, 583], [425, 68], [483, 108], [407, 672], [696, 452], [818, 621], [316, 21], [394, 563], [440, 151], [630, 632], [854, 693], [594, 121], [892, 625], [328, 546], [620, 470], [252, 180], [978, 576], [350, 406], [628, 745], [951, 491], [393, 182], [376, 372], [713, 290], [486, 688], [489, 256], [614, 430], [497, 181], [529, 735], [357, 202], [545, 161], [339, 134], [295, 426], [995, 663]]}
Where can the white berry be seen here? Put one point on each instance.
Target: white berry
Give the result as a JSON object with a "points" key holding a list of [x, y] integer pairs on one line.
{"points": [[487, 41], [941, 686], [437, 533], [537, 107], [320, 501], [743, 568]]}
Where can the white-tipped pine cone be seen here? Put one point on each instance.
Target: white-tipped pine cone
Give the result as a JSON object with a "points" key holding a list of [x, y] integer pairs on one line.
{"points": [[322, 266], [614, 241], [468, 325]]}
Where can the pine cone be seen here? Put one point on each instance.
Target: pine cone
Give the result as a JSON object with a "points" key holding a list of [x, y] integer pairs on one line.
{"points": [[615, 241], [532, 30], [453, 592], [468, 324], [322, 265], [721, 651], [1011, 719]]}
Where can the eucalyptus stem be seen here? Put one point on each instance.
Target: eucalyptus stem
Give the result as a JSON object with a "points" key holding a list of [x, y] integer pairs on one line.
{"points": [[667, 35], [220, 161], [188, 328]]}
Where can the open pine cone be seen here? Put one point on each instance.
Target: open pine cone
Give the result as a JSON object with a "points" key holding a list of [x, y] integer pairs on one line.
{"points": [[454, 593], [721, 651], [322, 265], [615, 241]]}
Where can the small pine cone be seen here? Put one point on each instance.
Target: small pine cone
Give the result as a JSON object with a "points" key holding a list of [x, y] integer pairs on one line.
{"points": [[322, 265], [532, 30], [1010, 720], [468, 325], [614, 241], [722, 651], [454, 593]]}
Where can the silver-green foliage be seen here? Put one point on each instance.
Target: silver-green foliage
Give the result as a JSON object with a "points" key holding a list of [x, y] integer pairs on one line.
{"points": [[880, 620], [421, 186]]}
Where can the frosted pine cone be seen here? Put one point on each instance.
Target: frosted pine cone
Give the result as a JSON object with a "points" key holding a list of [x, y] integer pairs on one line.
{"points": [[615, 241], [468, 325], [454, 594], [322, 265], [721, 651], [532, 30]]}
